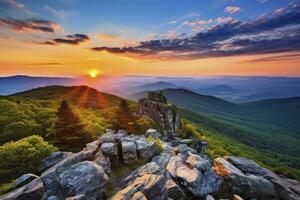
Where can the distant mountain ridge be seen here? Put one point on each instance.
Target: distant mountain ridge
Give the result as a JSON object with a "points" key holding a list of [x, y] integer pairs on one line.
{"points": [[13, 84]]}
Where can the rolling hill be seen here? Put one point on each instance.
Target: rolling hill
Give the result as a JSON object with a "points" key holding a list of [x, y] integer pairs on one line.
{"points": [[268, 115], [34, 111]]}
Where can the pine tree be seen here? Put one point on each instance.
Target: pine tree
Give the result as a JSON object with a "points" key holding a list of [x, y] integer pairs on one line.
{"points": [[125, 120], [68, 132]]}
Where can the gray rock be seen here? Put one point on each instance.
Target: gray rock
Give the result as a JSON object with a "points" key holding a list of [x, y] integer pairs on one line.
{"points": [[24, 179], [152, 186], [245, 165], [162, 160], [209, 197], [210, 183], [149, 168], [53, 159], [285, 188], [199, 162], [153, 133], [248, 186], [146, 150], [78, 197], [50, 177], [174, 191], [107, 137], [129, 151], [83, 178], [31, 191], [92, 146], [109, 149], [182, 148], [103, 161]]}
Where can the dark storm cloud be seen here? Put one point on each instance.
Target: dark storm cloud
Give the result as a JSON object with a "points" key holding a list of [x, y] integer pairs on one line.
{"points": [[277, 32], [75, 39], [28, 25]]}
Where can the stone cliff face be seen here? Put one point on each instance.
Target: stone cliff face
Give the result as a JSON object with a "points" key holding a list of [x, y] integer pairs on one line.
{"points": [[176, 172], [156, 107]]}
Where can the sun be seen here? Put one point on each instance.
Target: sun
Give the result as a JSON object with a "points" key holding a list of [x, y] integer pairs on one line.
{"points": [[93, 73]]}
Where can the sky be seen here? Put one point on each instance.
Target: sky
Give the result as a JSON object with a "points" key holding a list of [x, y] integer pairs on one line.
{"points": [[134, 37]]}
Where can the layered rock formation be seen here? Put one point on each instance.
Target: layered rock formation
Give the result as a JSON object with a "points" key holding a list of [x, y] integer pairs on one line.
{"points": [[166, 115], [177, 172]]}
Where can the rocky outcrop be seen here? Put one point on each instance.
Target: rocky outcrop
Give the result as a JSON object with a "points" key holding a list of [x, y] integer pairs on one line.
{"points": [[165, 115], [24, 179], [31, 191], [178, 172]]}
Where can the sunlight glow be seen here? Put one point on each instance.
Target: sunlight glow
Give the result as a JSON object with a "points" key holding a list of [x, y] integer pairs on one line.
{"points": [[93, 73]]}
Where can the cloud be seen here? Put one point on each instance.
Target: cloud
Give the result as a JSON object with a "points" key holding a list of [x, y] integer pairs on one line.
{"points": [[13, 8], [273, 33], [232, 9], [287, 57], [29, 25], [75, 39]]}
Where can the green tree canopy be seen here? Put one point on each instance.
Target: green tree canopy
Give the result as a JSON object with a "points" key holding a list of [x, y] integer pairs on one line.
{"points": [[68, 132], [23, 156]]}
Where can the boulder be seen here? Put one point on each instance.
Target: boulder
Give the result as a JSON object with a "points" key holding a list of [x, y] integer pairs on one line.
{"points": [[162, 160], [151, 185], [182, 148], [285, 188], [153, 133], [92, 146], [174, 191], [24, 179], [83, 178], [50, 177], [31, 191], [199, 162], [209, 197], [129, 151], [210, 183], [78, 197], [248, 186], [109, 149], [146, 150], [125, 194], [149, 168], [53, 159], [246, 166], [103, 161], [139, 196], [107, 137]]}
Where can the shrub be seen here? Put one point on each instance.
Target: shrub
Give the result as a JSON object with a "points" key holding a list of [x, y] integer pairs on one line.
{"points": [[23, 156], [160, 145]]}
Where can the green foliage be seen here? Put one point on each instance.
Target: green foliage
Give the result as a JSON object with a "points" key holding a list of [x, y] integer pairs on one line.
{"points": [[160, 145], [20, 118], [23, 156], [143, 124], [6, 187], [68, 131], [227, 139]]}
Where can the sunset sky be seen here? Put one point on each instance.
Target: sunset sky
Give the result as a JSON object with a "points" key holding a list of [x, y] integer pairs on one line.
{"points": [[157, 37]]}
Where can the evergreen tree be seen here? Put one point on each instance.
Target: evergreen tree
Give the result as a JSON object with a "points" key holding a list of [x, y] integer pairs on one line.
{"points": [[125, 120], [68, 132]]}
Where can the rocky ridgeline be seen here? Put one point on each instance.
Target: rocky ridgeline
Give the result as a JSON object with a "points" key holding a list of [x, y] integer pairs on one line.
{"points": [[166, 116], [178, 172]]}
